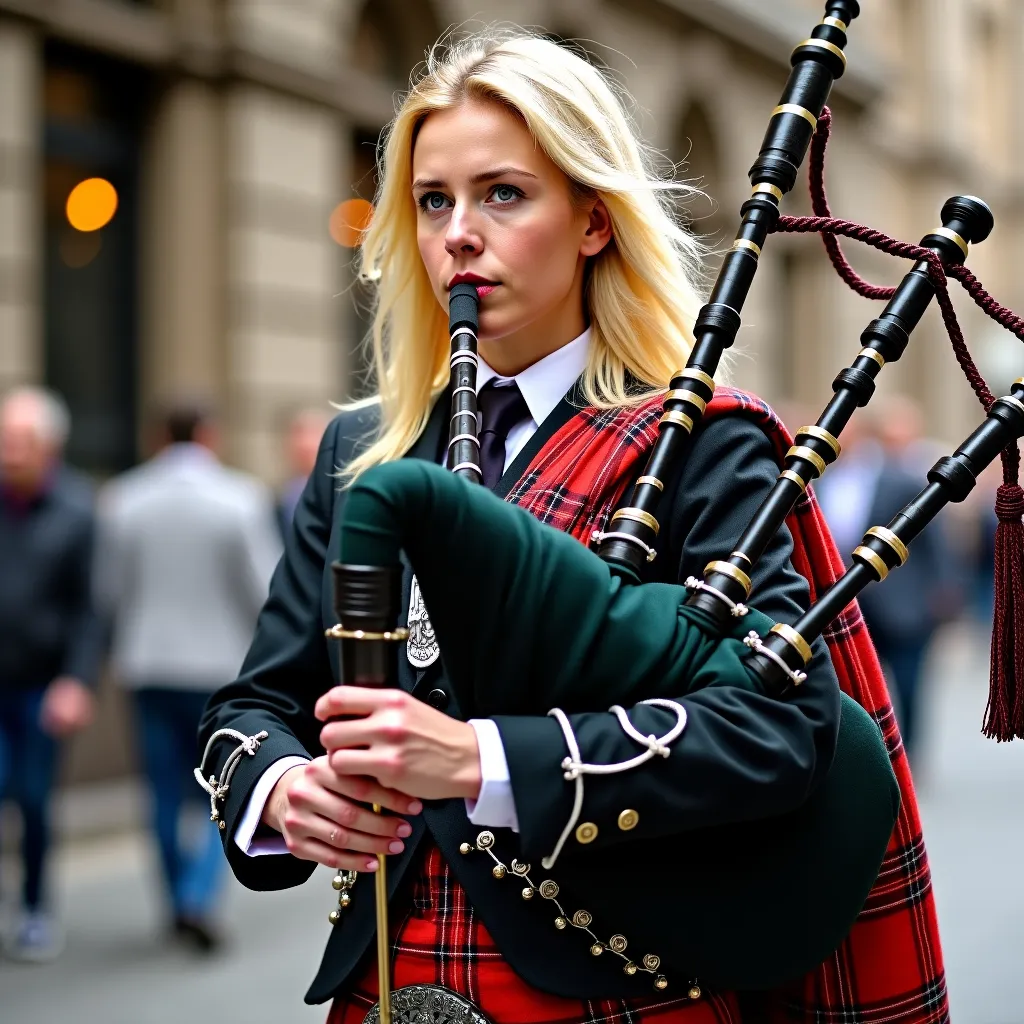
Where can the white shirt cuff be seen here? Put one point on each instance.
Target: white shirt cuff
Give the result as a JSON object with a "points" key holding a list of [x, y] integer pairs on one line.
{"points": [[495, 807], [254, 810]]}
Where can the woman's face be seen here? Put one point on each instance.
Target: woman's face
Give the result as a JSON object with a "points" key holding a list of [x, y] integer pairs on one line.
{"points": [[492, 207]]}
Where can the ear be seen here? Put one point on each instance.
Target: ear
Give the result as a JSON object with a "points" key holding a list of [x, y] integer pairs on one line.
{"points": [[599, 230]]}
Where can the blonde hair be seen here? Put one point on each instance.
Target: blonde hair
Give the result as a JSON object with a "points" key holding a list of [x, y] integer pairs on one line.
{"points": [[640, 294]]}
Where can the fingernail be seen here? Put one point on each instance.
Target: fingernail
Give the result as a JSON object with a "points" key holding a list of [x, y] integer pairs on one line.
{"points": [[404, 830], [371, 865], [396, 847], [415, 807]]}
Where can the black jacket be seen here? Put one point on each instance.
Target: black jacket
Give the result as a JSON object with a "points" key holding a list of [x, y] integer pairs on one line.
{"points": [[741, 756], [48, 626]]}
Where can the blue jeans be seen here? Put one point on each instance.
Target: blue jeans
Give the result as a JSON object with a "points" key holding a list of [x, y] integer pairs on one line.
{"points": [[28, 757], [168, 722]]}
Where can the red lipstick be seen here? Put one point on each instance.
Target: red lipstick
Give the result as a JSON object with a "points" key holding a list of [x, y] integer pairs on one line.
{"points": [[484, 287]]}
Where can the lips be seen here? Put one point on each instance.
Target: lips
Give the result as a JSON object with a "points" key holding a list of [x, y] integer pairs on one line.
{"points": [[481, 282]]}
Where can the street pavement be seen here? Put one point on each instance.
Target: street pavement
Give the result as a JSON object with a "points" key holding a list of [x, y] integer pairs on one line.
{"points": [[118, 969]]}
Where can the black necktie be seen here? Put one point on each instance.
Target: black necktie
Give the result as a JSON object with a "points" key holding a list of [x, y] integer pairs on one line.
{"points": [[501, 408]]}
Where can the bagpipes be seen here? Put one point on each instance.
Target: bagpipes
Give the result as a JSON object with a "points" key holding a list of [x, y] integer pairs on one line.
{"points": [[775, 896]]}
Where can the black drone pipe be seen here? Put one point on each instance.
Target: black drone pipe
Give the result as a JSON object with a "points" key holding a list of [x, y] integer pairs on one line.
{"points": [[817, 62], [726, 583], [785, 652]]}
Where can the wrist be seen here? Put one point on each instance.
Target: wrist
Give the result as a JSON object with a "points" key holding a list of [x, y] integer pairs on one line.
{"points": [[274, 809], [470, 778]]}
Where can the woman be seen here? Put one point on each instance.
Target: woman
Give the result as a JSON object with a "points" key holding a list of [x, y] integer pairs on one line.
{"points": [[511, 163]]}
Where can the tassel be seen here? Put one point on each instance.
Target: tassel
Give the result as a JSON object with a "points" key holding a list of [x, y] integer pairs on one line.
{"points": [[1004, 716]]}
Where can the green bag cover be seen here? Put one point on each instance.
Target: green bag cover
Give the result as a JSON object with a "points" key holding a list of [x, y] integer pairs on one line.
{"points": [[581, 622], [765, 900]]}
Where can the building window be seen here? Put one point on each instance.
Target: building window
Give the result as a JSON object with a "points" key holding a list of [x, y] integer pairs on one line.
{"points": [[91, 144]]}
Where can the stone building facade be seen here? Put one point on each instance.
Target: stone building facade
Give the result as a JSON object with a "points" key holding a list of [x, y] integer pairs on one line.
{"points": [[233, 128]]}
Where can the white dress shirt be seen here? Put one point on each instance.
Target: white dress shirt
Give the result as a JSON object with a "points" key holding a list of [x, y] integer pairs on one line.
{"points": [[542, 385]]}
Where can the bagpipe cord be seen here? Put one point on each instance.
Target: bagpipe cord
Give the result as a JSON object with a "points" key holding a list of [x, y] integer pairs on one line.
{"points": [[1004, 714]]}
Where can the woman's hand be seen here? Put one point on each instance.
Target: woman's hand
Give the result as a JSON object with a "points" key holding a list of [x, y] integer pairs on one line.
{"points": [[318, 813], [399, 741], [68, 707]]}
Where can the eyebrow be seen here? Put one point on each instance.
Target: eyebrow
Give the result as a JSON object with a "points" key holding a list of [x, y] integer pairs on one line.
{"points": [[498, 172]]}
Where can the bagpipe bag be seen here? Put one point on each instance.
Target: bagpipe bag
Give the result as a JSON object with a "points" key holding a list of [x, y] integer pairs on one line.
{"points": [[759, 902]]}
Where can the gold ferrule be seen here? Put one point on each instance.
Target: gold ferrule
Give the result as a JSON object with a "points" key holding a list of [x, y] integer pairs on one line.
{"points": [[699, 375], [746, 245], [652, 481], [954, 237], [794, 639], [801, 451], [740, 554], [824, 44], [768, 189], [682, 395], [336, 632], [887, 537], [834, 22], [637, 515], [872, 353], [679, 418], [872, 558], [1019, 380], [728, 569], [794, 108], [789, 474], [822, 435]]}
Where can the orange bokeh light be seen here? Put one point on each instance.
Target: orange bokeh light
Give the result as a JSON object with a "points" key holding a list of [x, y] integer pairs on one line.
{"points": [[349, 220], [91, 204]]}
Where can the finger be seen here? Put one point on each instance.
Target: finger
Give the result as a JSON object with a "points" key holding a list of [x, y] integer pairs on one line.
{"points": [[349, 732], [350, 841], [322, 853], [355, 700], [369, 791], [375, 763], [343, 812]]}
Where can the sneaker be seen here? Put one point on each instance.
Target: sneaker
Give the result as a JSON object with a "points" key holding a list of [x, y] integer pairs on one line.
{"points": [[197, 933], [36, 940]]}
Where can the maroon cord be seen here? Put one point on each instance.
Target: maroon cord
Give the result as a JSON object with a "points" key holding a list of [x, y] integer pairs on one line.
{"points": [[1004, 715]]}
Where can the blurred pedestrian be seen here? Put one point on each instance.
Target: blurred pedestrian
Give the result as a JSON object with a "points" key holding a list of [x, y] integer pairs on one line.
{"points": [[302, 442], [50, 642], [186, 550], [884, 467]]}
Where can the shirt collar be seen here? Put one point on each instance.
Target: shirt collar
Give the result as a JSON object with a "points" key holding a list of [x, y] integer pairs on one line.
{"points": [[186, 453], [544, 384]]}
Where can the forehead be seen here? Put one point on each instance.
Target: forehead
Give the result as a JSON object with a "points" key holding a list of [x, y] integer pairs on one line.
{"points": [[472, 137], [22, 411]]}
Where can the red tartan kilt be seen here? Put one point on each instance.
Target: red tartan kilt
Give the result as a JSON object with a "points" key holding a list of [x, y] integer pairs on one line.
{"points": [[442, 942]]}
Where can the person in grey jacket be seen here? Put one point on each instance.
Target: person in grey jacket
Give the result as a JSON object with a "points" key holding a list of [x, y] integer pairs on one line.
{"points": [[185, 553]]}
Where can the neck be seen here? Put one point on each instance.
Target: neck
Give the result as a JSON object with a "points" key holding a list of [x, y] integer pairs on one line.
{"points": [[25, 489]]}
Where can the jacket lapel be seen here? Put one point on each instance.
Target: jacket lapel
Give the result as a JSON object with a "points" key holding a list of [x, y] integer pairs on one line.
{"points": [[429, 446]]}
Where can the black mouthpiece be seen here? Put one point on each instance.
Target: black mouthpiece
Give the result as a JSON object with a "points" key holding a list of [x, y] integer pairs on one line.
{"points": [[463, 307], [367, 596], [846, 10], [969, 216]]}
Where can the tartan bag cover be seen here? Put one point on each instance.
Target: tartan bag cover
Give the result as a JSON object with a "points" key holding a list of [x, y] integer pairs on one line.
{"points": [[889, 969]]}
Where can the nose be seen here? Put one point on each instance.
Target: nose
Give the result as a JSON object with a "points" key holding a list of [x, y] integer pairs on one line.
{"points": [[463, 234]]}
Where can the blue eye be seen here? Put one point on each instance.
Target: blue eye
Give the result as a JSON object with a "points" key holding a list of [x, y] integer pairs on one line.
{"points": [[506, 193], [433, 201]]}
